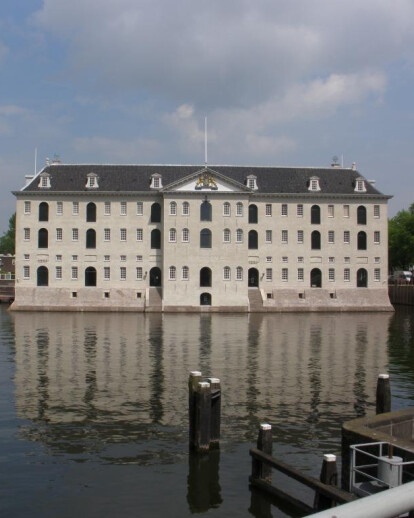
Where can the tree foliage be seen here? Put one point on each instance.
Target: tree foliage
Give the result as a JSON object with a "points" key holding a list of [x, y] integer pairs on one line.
{"points": [[401, 239], [7, 241]]}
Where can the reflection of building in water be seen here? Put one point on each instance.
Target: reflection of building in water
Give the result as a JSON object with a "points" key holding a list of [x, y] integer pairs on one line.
{"points": [[129, 368]]}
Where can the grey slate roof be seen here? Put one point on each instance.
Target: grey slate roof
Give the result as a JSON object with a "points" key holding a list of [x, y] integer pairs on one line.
{"points": [[136, 178]]}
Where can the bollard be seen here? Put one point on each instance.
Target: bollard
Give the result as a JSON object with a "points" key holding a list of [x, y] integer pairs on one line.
{"points": [[202, 417], [329, 476], [215, 411], [193, 381], [264, 443], [383, 394]]}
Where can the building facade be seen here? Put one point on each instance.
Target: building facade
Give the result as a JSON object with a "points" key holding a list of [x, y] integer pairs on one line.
{"points": [[194, 238]]}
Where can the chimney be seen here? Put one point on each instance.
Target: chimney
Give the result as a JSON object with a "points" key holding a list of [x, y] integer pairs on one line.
{"points": [[353, 166], [335, 163], [47, 162], [28, 178], [56, 160]]}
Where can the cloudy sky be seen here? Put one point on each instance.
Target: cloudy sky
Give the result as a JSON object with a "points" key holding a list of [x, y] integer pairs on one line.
{"points": [[282, 83]]}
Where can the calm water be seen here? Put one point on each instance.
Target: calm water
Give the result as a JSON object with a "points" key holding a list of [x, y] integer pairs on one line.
{"points": [[93, 407]]}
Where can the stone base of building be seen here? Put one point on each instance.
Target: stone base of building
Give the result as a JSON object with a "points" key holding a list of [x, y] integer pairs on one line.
{"points": [[259, 300]]}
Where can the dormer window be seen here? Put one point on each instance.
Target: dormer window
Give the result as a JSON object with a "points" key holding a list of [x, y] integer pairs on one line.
{"points": [[251, 181], [156, 181], [92, 181], [314, 184], [44, 182], [360, 185]]}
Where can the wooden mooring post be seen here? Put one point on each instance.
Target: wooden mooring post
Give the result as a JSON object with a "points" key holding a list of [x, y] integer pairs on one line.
{"points": [[204, 410], [383, 397], [264, 443], [329, 476]]}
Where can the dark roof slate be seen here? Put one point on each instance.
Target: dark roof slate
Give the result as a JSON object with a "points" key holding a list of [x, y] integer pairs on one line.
{"points": [[136, 178]]}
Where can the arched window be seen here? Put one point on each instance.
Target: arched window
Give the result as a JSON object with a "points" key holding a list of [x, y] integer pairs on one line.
{"points": [[362, 240], [43, 211], [43, 238], [361, 215], [90, 238], [253, 278], [172, 273], [205, 238], [239, 208], [315, 214], [226, 273], [172, 235], [253, 240], [155, 213], [226, 235], [205, 277], [316, 240], [239, 235], [155, 239], [362, 278], [42, 276], [316, 278], [226, 209], [239, 273], [205, 299], [173, 208], [155, 277], [185, 235], [253, 218], [185, 273], [186, 208], [91, 212], [90, 276], [205, 211]]}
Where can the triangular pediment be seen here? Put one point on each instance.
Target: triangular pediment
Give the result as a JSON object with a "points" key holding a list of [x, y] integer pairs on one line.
{"points": [[206, 180]]}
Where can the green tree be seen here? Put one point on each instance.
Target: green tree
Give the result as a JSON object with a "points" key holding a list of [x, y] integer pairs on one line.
{"points": [[7, 241], [401, 239]]}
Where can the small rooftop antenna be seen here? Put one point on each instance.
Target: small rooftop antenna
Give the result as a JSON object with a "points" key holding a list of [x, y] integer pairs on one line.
{"points": [[205, 141]]}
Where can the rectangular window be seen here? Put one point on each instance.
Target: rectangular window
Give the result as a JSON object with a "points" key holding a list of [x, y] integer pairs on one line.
{"points": [[269, 259], [346, 211], [122, 272], [284, 209], [285, 259], [27, 234], [376, 211], [331, 274], [107, 257], [140, 234], [377, 274], [107, 273], [347, 237], [330, 211], [268, 236], [331, 237], [26, 257], [284, 274], [26, 272], [300, 236], [107, 234], [377, 239], [75, 208], [269, 274], [123, 234], [74, 271], [27, 207], [59, 208], [58, 272], [75, 234], [139, 258], [299, 210], [377, 259], [347, 274], [123, 258], [139, 273], [59, 234], [107, 208], [268, 209], [300, 260], [347, 260], [123, 208], [74, 257], [284, 236], [301, 276], [58, 258], [140, 208], [331, 259]]}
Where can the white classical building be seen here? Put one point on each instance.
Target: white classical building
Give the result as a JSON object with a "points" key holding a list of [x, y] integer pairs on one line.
{"points": [[197, 238]]}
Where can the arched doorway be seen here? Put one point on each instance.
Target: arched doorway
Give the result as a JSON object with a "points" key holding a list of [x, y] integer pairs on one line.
{"points": [[155, 277], [205, 277], [90, 276], [205, 299], [316, 278], [253, 278], [42, 276], [362, 278]]}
